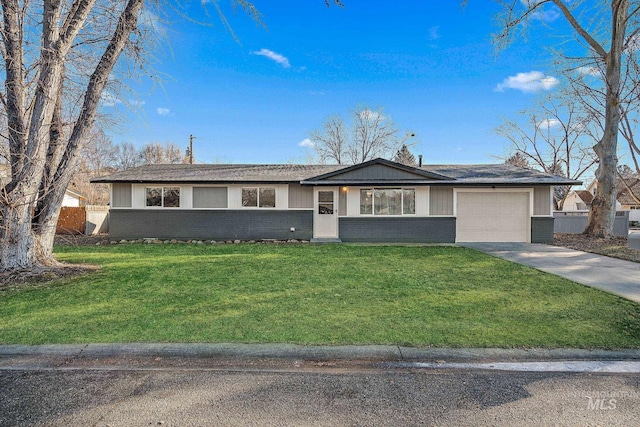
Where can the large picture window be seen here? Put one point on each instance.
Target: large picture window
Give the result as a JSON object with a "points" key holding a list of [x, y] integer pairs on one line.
{"points": [[387, 201], [259, 197], [163, 197]]}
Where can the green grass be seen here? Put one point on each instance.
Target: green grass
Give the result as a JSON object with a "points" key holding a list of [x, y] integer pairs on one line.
{"points": [[332, 294]]}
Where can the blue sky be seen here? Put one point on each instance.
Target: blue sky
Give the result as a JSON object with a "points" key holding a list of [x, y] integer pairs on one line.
{"points": [[429, 64]]}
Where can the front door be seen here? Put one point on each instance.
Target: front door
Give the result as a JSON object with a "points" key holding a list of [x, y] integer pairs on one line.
{"points": [[325, 217]]}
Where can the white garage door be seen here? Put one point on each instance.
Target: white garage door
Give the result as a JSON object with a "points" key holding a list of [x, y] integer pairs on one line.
{"points": [[493, 217]]}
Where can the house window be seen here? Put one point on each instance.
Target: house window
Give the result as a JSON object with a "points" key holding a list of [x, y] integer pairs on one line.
{"points": [[366, 201], [409, 201], [164, 197], [325, 202], [388, 201], [259, 197]]}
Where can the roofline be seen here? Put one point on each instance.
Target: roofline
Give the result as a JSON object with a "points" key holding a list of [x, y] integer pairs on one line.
{"points": [[138, 181], [381, 161], [435, 183]]}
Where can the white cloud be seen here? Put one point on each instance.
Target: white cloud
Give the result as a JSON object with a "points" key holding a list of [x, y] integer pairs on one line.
{"points": [[547, 124], [590, 71], [632, 43], [163, 111], [136, 103], [540, 14], [367, 114], [280, 59], [306, 143], [533, 81], [151, 21], [108, 99], [434, 33], [548, 15]]}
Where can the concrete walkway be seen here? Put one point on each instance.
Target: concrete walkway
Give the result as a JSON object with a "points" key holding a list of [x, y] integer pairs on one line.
{"points": [[612, 275]]}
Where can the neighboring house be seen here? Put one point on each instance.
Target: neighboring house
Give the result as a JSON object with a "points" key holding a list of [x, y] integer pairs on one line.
{"points": [[73, 200], [375, 201], [628, 200], [580, 200]]}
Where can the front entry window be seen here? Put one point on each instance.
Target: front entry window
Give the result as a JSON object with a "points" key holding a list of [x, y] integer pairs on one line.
{"points": [[325, 202]]}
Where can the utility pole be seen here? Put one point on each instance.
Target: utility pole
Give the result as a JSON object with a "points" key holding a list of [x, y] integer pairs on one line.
{"points": [[191, 138]]}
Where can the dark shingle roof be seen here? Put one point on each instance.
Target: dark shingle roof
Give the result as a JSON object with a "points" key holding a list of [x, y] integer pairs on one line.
{"points": [[626, 198], [498, 174], [218, 173], [585, 196]]}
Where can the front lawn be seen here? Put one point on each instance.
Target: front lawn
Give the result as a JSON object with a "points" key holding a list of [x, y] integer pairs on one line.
{"points": [[332, 294]]}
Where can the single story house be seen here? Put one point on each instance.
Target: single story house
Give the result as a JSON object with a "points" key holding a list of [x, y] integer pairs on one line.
{"points": [[375, 201]]}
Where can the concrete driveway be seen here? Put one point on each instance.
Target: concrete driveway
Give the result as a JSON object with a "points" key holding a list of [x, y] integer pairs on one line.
{"points": [[609, 274]]}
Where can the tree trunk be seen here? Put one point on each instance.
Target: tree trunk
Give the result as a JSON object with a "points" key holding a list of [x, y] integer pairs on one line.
{"points": [[603, 206], [16, 240]]}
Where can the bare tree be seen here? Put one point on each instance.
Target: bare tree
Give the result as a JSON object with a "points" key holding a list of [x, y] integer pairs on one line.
{"points": [[158, 154], [554, 138], [48, 49], [332, 141], [98, 152], [174, 154], [125, 156], [372, 134], [97, 158], [606, 38]]}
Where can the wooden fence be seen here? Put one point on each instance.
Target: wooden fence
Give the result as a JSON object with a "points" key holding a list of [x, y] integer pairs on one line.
{"points": [[72, 220]]}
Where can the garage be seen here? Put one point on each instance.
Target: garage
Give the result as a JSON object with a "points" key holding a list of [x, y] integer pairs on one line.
{"points": [[493, 216]]}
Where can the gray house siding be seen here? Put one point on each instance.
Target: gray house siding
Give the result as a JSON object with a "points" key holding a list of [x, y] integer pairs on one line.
{"points": [[375, 173], [300, 197], [541, 229], [121, 194], [210, 224], [342, 203], [398, 230], [210, 197], [541, 201], [441, 201]]}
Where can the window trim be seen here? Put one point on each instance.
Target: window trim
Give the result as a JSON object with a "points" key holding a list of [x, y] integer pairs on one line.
{"points": [[373, 202], [162, 196], [258, 190]]}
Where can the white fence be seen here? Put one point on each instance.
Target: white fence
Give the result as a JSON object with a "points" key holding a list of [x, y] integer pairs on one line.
{"points": [[97, 219], [574, 222]]}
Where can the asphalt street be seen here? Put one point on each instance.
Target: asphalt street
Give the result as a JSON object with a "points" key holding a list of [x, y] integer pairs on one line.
{"points": [[218, 392]]}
